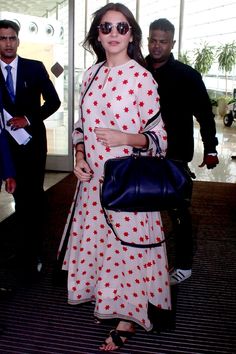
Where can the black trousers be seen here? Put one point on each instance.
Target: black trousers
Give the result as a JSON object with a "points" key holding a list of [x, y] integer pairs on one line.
{"points": [[30, 203], [183, 237]]}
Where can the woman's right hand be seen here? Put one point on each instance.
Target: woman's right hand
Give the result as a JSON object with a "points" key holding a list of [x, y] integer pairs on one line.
{"points": [[82, 171]]}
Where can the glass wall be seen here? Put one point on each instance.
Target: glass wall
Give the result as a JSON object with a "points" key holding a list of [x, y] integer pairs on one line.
{"points": [[211, 21]]}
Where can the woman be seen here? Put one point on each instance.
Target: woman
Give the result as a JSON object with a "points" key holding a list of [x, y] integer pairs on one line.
{"points": [[118, 103]]}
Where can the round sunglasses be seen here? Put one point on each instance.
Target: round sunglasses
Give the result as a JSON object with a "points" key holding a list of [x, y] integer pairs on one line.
{"points": [[122, 27]]}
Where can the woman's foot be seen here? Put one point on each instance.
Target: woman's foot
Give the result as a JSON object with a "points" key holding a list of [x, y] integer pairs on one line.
{"points": [[118, 336]]}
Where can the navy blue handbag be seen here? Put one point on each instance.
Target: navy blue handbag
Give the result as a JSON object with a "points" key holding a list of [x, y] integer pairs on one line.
{"points": [[145, 183]]}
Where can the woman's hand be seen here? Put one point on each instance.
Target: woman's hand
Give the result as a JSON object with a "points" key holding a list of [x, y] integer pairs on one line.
{"points": [[82, 171], [110, 137]]}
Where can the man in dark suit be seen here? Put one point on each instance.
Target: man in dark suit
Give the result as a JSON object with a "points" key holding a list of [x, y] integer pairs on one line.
{"points": [[7, 175], [7, 170], [30, 83]]}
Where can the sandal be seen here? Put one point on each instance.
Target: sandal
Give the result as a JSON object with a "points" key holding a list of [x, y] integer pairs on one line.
{"points": [[116, 335]]}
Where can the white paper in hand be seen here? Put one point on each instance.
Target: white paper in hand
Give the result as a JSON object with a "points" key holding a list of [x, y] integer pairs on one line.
{"points": [[20, 135]]}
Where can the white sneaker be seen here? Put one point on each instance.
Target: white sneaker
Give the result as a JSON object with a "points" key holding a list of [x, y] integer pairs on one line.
{"points": [[179, 275]]}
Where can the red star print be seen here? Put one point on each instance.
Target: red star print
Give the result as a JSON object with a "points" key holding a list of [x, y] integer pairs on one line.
{"points": [[150, 92], [120, 72], [140, 85], [119, 98]]}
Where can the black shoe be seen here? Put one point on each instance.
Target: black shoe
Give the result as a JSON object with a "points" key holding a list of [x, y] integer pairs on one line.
{"points": [[39, 265], [5, 292]]}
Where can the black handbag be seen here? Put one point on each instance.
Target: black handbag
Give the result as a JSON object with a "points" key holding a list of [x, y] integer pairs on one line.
{"points": [[139, 183]]}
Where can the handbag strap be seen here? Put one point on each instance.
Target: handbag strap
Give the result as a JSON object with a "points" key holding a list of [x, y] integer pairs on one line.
{"points": [[91, 82], [62, 253], [124, 243]]}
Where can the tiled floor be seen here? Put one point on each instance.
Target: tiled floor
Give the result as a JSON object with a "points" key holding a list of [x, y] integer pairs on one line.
{"points": [[224, 172]]}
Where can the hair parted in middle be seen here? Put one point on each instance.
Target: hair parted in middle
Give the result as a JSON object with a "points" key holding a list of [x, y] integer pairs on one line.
{"points": [[92, 44]]}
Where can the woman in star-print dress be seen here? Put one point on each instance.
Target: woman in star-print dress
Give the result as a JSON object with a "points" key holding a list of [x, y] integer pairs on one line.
{"points": [[118, 103]]}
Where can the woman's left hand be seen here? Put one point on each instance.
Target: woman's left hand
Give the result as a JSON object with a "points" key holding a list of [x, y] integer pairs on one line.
{"points": [[110, 137]]}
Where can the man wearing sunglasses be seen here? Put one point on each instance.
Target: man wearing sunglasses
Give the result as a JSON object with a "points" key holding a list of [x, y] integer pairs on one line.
{"points": [[183, 96]]}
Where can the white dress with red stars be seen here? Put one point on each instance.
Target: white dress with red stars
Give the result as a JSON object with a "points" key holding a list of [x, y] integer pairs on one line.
{"points": [[120, 280]]}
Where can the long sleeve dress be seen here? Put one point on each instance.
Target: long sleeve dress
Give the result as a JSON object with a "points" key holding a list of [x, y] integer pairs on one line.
{"points": [[120, 280]]}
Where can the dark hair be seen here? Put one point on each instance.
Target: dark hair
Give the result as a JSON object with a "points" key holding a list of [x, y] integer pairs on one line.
{"points": [[10, 24], [92, 44], [162, 24]]}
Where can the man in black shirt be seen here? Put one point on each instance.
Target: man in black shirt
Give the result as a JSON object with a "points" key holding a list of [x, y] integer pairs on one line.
{"points": [[183, 96]]}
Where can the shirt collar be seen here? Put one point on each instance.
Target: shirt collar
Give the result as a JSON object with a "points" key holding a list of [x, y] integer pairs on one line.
{"points": [[13, 63]]}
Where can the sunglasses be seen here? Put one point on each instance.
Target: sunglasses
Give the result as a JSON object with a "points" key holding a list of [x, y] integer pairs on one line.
{"points": [[122, 27]]}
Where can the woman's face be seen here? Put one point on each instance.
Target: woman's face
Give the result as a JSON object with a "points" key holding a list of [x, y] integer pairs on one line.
{"points": [[115, 33]]}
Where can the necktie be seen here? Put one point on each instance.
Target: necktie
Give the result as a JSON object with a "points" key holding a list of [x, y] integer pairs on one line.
{"points": [[9, 82]]}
